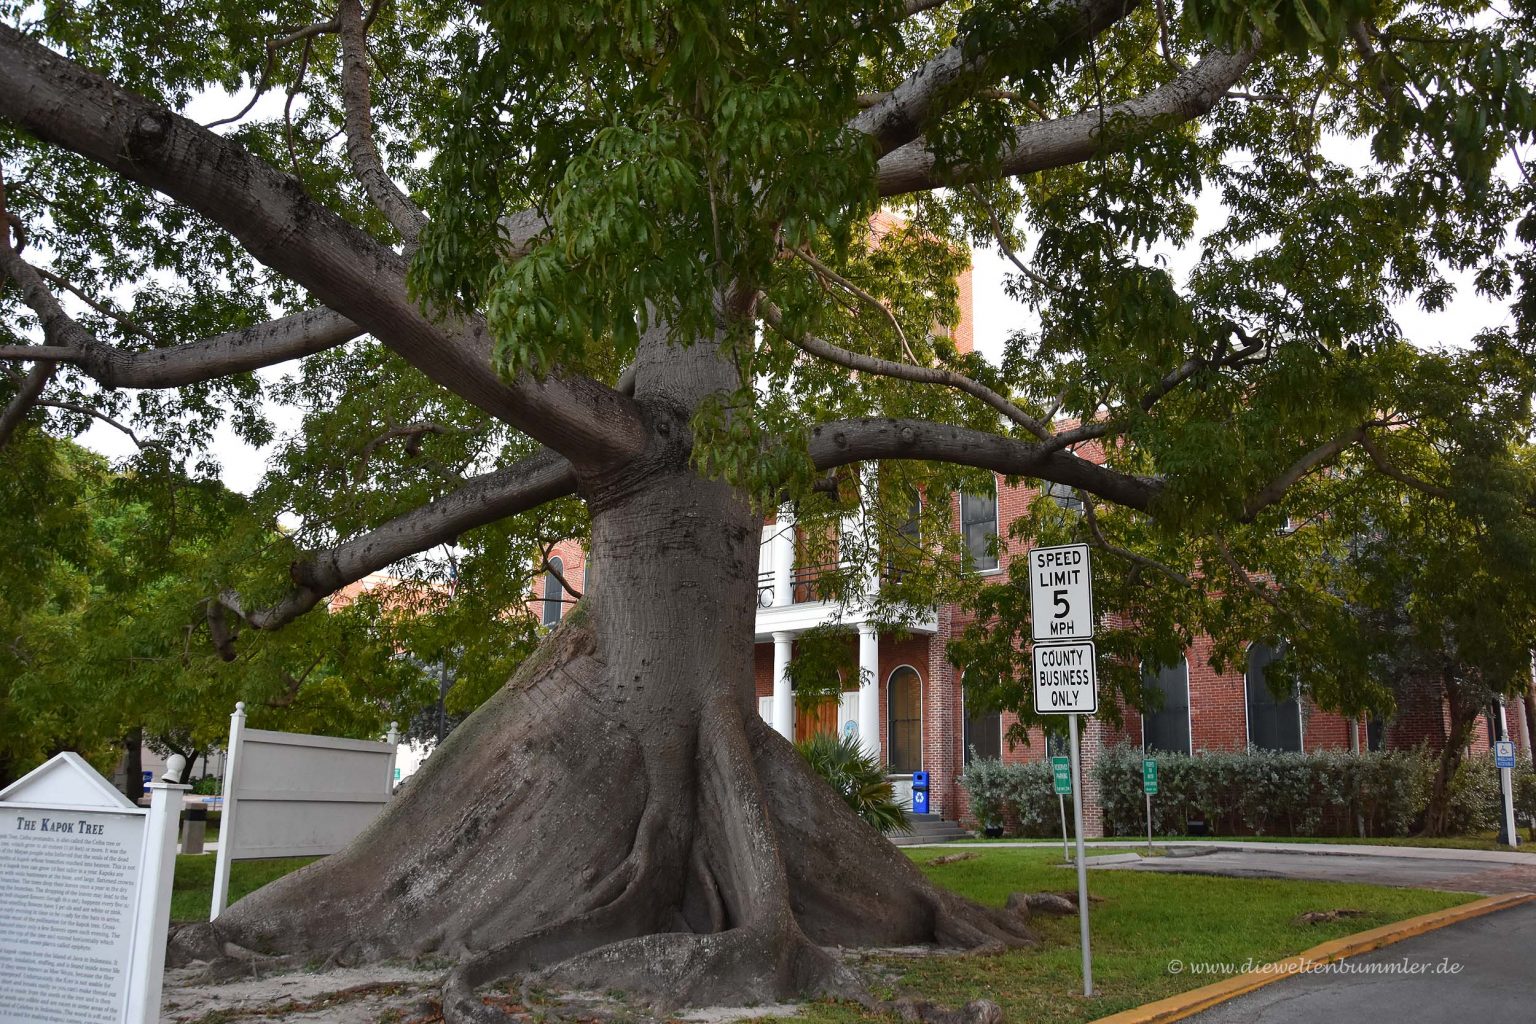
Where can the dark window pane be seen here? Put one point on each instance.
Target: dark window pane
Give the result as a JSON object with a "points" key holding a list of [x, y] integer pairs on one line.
{"points": [[1375, 734], [1057, 745], [1167, 727], [904, 700], [1273, 724], [906, 548], [553, 592], [1064, 496], [983, 731], [978, 525]]}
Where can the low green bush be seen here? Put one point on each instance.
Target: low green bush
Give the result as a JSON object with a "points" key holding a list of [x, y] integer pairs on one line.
{"points": [[1322, 793]]}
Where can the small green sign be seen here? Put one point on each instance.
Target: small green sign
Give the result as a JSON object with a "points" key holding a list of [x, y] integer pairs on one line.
{"points": [[1061, 774], [1149, 776]]}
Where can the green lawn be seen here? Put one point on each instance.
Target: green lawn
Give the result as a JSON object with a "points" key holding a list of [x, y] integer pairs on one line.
{"points": [[1144, 921], [193, 892]]}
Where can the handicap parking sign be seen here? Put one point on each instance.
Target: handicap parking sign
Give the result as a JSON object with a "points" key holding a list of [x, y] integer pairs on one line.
{"points": [[1504, 754]]}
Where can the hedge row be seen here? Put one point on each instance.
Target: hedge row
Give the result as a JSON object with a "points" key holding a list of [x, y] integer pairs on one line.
{"points": [[1258, 793]]}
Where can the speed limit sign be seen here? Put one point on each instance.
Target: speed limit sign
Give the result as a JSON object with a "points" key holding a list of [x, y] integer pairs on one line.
{"points": [[1061, 593]]}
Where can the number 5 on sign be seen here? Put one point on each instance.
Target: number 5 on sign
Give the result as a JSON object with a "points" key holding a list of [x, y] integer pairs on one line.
{"points": [[1061, 593]]}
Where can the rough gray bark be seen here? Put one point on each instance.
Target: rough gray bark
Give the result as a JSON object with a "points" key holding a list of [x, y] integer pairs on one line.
{"points": [[1069, 140]]}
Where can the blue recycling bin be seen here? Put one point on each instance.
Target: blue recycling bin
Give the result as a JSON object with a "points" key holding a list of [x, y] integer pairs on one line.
{"points": [[919, 792]]}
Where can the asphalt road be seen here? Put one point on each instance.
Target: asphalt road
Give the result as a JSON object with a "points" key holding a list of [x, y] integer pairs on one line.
{"points": [[1411, 982], [1450, 874]]}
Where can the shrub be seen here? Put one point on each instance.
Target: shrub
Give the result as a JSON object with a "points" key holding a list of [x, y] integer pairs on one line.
{"points": [[1301, 794], [858, 778]]}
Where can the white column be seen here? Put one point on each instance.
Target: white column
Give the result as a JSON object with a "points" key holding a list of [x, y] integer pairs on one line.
{"points": [[783, 558], [869, 688], [154, 899], [783, 709]]}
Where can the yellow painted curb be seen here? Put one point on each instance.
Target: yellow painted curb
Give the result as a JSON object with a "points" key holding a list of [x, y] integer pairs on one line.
{"points": [[1187, 1004]]}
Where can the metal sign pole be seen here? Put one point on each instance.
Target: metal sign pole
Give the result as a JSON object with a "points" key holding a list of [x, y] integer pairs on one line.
{"points": [[1149, 822], [1066, 856], [1082, 865]]}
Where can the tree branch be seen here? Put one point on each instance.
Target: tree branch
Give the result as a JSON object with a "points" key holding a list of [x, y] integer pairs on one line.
{"points": [[536, 480], [1300, 468], [25, 398], [902, 114], [823, 349], [86, 410], [1090, 516], [827, 273], [848, 441], [1069, 140], [362, 150], [1379, 460], [66, 104]]}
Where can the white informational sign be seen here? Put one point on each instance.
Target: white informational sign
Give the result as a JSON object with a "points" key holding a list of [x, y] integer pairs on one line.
{"points": [[293, 795], [85, 897], [1066, 679], [1061, 593]]}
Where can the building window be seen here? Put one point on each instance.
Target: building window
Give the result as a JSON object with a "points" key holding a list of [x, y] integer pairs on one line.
{"points": [[978, 526], [554, 593], [1166, 728], [905, 549], [983, 730], [1057, 744], [1375, 734], [904, 703], [1273, 723], [1064, 496]]}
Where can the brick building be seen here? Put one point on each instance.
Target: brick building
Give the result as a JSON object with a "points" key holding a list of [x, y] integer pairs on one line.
{"points": [[910, 706]]}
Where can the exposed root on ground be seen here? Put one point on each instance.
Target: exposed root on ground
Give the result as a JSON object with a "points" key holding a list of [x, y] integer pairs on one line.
{"points": [[560, 835]]}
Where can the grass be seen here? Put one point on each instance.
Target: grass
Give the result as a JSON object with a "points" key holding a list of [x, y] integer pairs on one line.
{"points": [[1144, 921], [193, 890]]}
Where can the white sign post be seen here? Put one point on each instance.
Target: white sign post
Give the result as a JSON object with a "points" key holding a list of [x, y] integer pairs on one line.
{"points": [[1066, 676], [1504, 760], [85, 895]]}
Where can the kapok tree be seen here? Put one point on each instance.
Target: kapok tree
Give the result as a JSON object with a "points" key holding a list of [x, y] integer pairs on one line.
{"points": [[644, 272]]}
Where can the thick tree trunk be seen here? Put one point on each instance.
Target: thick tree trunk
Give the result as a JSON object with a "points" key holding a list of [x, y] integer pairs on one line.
{"points": [[133, 764], [617, 815], [1437, 811]]}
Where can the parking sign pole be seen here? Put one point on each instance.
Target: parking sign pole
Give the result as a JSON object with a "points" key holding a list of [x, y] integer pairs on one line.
{"points": [[1066, 857], [1082, 864]]}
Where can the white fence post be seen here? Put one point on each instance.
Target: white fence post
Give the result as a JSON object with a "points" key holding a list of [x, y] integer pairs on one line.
{"points": [[227, 813], [393, 739], [153, 914]]}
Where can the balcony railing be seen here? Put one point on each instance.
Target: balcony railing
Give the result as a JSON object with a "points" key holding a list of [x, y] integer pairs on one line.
{"points": [[802, 584]]}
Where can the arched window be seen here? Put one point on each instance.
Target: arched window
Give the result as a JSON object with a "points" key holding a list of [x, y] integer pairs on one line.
{"points": [[978, 527], [983, 729], [1167, 727], [904, 727], [553, 592], [1273, 723]]}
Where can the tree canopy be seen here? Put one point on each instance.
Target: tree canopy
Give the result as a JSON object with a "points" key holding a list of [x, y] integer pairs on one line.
{"points": [[644, 271]]}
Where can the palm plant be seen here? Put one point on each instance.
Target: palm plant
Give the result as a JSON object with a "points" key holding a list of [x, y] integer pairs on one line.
{"points": [[857, 776]]}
